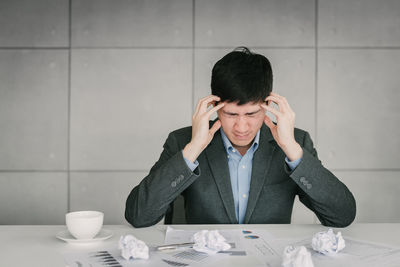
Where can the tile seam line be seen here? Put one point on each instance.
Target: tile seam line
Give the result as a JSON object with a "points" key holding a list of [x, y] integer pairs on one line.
{"points": [[205, 48], [147, 170], [69, 106]]}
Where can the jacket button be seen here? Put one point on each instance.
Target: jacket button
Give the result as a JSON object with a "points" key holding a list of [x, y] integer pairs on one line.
{"points": [[173, 184], [309, 186], [302, 179]]}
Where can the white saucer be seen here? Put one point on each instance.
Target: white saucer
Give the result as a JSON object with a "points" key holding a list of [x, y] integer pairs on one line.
{"points": [[67, 237]]}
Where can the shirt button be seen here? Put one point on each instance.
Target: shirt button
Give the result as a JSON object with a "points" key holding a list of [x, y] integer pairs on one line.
{"points": [[233, 150], [244, 195], [228, 156], [243, 166]]}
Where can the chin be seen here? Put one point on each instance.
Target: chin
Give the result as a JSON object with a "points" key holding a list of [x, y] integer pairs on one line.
{"points": [[242, 142]]}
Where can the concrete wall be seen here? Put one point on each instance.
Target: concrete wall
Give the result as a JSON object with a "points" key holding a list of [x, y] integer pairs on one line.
{"points": [[89, 90]]}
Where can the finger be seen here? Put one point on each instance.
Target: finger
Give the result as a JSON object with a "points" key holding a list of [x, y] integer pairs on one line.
{"points": [[211, 104], [204, 103], [275, 94], [215, 127], [279, 101], [214, 109], [277, 113], [201, 100], [268, 122], [198, 105], [284, 101]]}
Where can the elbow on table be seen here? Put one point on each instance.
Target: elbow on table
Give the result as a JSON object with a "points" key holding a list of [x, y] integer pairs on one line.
{"points": [[139, 224], [134, 214], [339, 223], [139, 221], [344, 219], [130, 219], [349, 213], [135, 221]]}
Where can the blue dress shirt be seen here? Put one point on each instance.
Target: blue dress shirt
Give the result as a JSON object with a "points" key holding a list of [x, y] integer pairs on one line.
{"points": [[240, 172]]}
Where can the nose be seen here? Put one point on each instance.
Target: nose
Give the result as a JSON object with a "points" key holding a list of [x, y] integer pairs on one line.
{"points": [[241, 125]]}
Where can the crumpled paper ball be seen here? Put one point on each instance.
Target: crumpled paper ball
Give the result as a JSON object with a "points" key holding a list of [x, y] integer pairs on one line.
{"points": [[296, 257], [210, 242], [133, 248], [328, 242]]}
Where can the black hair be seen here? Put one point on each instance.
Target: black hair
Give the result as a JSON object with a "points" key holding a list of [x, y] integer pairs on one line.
{"points": [[242, 77]]}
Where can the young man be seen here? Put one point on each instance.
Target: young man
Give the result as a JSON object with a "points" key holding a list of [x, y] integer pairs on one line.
{"points": [[242, 167]]}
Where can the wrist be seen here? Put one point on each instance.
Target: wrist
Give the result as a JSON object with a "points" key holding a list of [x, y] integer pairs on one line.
{"points": [[293, 151], [190, 152]]}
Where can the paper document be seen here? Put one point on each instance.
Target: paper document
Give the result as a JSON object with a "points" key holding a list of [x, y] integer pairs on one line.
{"points": [[110, 258], [355, 253], [248, 248], [253, 246], [191, 257]]}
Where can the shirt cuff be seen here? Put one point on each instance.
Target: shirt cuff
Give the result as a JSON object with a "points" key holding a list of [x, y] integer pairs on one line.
{"points": [[292, 164], [192, 166]]}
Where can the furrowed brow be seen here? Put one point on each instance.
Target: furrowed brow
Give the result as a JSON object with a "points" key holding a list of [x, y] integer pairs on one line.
{"points": [[229, 113], [254, 112]]}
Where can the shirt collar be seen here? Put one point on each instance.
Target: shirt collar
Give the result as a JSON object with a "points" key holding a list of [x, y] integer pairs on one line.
{"points": [[228, 144]]}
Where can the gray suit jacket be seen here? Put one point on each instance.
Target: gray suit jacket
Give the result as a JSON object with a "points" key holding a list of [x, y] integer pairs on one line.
{"points": [[208, 193]]}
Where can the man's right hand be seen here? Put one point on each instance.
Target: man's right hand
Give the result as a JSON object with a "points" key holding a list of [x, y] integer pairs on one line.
{"points": [[201, 133]]}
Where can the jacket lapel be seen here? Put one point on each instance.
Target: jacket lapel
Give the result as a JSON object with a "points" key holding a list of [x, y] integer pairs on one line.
{"points": [[261, 164], [218, 162]]}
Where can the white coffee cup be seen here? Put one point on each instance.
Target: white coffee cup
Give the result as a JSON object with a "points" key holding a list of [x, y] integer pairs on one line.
{"points": [[84, 224]]}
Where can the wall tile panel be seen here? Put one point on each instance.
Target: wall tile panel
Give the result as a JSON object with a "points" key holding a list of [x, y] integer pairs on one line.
{"points": [[368, 23], [33, 198], [254, 23], [358, 114], [124, 104], [33, 109], [119, 23], [26, 23]]}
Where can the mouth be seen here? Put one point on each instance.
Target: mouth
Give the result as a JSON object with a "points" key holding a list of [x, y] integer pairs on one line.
{"points": [[242, 136]]}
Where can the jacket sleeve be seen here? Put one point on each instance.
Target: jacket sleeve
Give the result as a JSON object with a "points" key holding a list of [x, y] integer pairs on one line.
{"points": [[321, 191], [149, 201]]}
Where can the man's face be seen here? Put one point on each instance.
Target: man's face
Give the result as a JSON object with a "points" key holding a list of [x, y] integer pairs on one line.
{"points": [[241, 123]]}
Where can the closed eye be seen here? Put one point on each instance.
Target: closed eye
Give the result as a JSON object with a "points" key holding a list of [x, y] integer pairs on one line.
{"points": [[229, 114], [249, 114], [252, 114]]}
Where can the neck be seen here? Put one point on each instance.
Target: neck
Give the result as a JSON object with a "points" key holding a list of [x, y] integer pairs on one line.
{"points": [[242, 149]]}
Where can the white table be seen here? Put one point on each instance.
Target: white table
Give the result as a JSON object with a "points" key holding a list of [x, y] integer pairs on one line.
{"points": [[37, 245]]}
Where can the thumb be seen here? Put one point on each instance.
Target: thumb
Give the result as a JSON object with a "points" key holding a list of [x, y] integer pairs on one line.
{"points": [[215, 127], [268, 122]]}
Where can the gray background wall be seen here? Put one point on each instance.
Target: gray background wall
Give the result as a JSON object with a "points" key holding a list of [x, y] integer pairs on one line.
{"points": [[89, 90]]}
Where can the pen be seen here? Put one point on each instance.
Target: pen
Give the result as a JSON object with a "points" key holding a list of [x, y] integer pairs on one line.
{"points": [[174, 246]]}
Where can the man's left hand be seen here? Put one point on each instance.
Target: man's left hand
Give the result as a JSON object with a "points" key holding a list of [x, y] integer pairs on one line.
{"points": [[283, 131]]}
